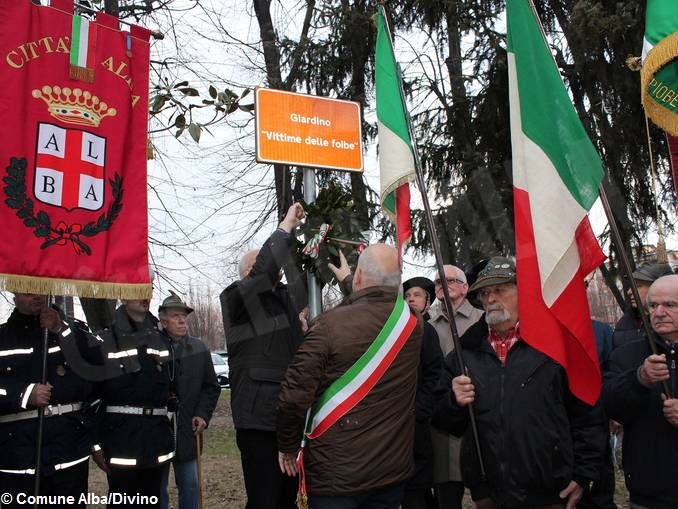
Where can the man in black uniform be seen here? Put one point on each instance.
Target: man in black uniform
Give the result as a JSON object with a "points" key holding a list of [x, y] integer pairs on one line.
{"points": [[135, 431], [262, 335], [66, 397]]}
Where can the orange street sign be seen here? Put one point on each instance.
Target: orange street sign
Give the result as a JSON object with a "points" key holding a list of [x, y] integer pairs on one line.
{"points": [[306, 130]]}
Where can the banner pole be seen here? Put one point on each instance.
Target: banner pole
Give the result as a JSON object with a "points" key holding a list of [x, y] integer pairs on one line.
{"points": [[41, 410], [435, 244], [628, 274]]}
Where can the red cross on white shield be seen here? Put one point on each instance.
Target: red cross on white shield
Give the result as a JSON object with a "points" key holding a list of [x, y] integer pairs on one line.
{"points": [[69, 168]]}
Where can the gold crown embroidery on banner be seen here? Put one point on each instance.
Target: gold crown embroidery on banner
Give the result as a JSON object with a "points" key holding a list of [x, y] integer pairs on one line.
{"points": [[74, 106]]}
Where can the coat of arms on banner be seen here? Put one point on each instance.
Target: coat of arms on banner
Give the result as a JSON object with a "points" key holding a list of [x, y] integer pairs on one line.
{"points": [[69, 168]]}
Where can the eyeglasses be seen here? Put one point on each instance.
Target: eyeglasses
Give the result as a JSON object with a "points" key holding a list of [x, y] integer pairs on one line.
{"points": [[451, 281]]}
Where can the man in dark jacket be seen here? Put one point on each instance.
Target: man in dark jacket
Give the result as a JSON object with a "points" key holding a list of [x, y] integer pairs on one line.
{"points": [[198, 392], [68, 424], [632, 394], [629, 327], [136, 437], [262, 334], [419, 293], [541, 446], [359, 451]]}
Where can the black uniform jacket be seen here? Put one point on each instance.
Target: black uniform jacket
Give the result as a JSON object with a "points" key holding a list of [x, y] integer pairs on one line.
{"points": [[628, 329], [67, 438], [262, 334], [428, 391], [139, 370], [198, 391], [535, 436], [650, 443]]}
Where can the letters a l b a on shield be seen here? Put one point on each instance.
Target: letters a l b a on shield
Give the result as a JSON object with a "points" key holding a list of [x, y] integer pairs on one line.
{"points": [[69, 168]]}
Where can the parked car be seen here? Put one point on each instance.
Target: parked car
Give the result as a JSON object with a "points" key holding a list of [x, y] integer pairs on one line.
{"points": [[221, 369]]}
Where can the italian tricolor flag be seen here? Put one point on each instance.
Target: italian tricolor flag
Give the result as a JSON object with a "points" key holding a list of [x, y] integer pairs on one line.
{"points": [[396, 157], [556, 174], [83, 47]]}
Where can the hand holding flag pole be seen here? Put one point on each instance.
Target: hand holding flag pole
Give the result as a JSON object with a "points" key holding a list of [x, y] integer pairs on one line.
{"points": [[388, 76]]}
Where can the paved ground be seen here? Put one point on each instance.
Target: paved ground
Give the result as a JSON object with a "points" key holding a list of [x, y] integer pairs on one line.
{"points": [[222, 477]]}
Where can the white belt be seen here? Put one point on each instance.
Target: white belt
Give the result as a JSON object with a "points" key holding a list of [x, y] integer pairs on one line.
{"points": [[50, 411], [135, 410], [60, 466]]}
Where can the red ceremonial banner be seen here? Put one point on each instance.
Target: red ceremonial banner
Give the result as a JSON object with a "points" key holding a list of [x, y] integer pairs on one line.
{"points": [[73, 210]]}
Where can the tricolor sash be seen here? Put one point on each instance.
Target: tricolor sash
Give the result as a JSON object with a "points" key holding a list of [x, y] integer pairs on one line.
{"points": [[350, 388]]}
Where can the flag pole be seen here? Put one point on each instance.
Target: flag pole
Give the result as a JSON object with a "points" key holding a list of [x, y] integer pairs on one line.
{"points": [[616, 239], [435, 244], [628, 274]]}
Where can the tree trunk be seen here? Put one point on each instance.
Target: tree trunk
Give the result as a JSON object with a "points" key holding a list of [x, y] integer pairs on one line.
{"points": [[112, 7], [360, 51], [461, 116], [269, 42]]}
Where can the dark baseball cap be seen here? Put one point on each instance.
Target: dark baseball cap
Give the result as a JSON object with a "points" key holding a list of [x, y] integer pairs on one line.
{"points": [[650, 271]]}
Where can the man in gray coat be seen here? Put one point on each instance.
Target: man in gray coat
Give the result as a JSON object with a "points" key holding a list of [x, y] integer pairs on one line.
{"points": [[198, 392], [449, 489]]}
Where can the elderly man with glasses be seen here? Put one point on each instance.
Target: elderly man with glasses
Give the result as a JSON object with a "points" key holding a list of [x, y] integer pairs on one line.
{"points": [[449, 490]]}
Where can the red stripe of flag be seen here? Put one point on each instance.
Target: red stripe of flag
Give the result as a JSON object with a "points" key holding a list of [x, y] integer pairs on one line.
{"points": [[403, 222], [562, 332], [91, 45]]}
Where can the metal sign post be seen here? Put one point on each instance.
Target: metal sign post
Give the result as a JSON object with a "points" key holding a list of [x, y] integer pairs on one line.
{"points": [[314, 293]]}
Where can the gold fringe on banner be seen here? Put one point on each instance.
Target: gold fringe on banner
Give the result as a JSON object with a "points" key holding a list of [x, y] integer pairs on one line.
{"points": [[81, 73], [665, 51], [76, 287]]}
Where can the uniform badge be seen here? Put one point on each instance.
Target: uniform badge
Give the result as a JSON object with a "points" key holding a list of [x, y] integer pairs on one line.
{"points": [[61, 370]]}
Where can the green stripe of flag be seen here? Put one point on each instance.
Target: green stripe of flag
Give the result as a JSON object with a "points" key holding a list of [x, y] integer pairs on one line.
{"points": [[390, 107], [75, 39], [560, 133]]}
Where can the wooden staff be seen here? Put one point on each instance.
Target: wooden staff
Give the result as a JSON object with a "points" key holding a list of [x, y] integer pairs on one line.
{"points": [[197, 456]]}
